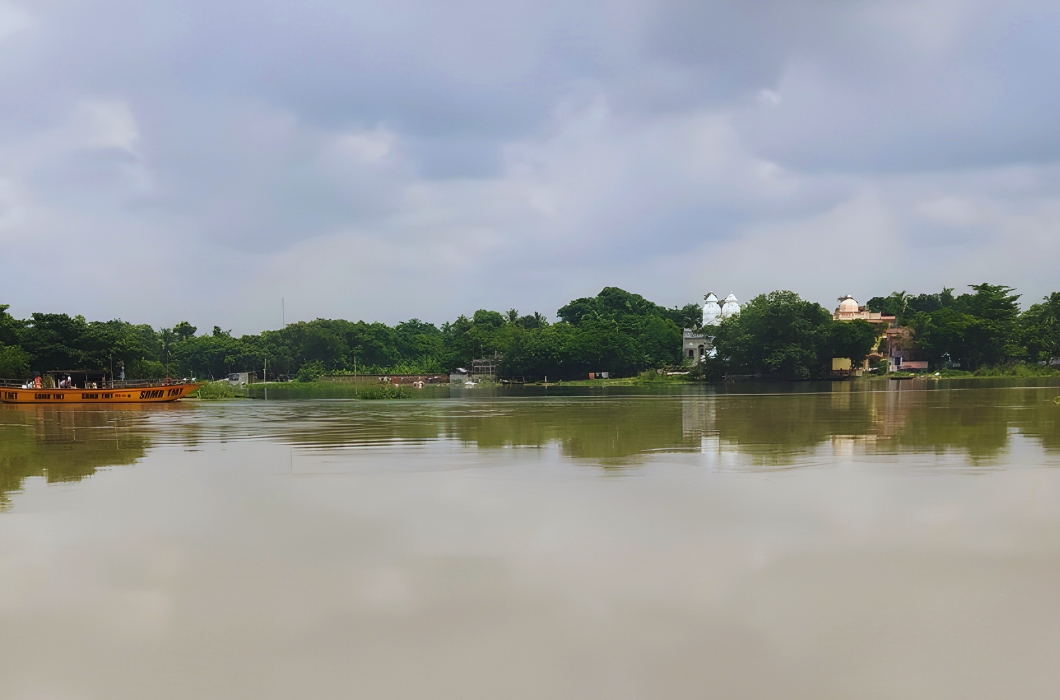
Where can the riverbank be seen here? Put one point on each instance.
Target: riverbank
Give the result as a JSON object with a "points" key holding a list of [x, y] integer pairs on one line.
{"points": [[1020, 371], [334, 390], [648, 378], [644, 382]]}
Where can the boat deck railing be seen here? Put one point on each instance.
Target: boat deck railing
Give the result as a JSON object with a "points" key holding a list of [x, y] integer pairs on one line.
{"points": [[127, 384], [142, 383]]}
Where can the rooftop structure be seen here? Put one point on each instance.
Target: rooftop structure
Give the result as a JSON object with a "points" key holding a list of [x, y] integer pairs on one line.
{"points": [[697, 345], [849, 310]]}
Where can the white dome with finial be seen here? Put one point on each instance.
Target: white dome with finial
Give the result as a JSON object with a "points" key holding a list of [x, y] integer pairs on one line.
{"points": [[848, 305], [711, 310], [731, 307]]}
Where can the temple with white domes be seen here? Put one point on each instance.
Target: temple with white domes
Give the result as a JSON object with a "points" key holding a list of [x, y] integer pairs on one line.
{"points": [[699, 344]]}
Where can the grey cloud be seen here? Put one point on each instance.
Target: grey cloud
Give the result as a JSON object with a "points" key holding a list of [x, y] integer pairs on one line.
{"points": [[593, 143]]}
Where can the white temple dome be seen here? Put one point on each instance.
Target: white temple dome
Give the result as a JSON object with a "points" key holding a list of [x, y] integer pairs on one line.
{"points": [[731, 307], [711, 310], [848, 304]]}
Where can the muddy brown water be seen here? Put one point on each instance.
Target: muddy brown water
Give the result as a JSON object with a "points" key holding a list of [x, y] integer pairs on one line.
{"points": [[825, 544]]}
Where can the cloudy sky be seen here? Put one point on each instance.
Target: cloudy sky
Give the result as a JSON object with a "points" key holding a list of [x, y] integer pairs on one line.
{"points": [[412, 158]]}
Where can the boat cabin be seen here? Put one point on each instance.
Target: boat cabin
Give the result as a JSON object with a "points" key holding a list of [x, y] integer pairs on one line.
{"points": [[77, 378]]}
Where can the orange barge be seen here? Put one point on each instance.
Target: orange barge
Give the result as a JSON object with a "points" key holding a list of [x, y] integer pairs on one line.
{"points": [[108, 393]]}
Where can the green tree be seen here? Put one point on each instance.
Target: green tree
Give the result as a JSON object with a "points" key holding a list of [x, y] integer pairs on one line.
{"points": [[184, 330], [537, 320], [612, 303], [943, 334], [926, 303], [167, 338], [854, 339], [688, 316], [904, 306], [992, 338], [1040, 329], [777, 334], [55, 341], [10, 327], [974, 330], [14, 362], [894, 304], [206, 355]]}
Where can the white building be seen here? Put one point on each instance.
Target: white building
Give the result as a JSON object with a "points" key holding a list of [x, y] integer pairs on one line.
{"points": [[700, 344], [713, 312], [731, 307]]}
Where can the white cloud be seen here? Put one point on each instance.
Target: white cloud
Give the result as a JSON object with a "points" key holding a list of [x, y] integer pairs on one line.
{"points": [[770, 98], [367, 146], [12, 213], [13, 19], [950, 211], [105, 124]]}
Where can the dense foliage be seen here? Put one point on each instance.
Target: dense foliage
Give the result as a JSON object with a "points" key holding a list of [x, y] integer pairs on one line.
{"points": [[781, 335], [982, 328], [616, 331]]}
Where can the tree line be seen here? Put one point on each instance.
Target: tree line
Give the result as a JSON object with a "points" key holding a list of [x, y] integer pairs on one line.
{"points": [[615, 331], [981, 328], [781, 335], [777, 335]]}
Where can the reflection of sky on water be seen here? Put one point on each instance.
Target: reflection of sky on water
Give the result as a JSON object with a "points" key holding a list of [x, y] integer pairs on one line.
{"points": [[797, 546]]}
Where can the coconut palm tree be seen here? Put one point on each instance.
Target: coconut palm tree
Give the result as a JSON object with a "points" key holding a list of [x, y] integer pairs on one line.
{"points": [[168, 337]]}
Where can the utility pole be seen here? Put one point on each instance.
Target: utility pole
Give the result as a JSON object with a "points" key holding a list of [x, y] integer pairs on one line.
{"points": [[283, 311], [264, 378]]}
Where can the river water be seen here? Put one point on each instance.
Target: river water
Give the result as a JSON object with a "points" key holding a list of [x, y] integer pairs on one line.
{"points": [[900, 543]]}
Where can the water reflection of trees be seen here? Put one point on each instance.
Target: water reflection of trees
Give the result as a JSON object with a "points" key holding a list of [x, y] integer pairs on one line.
{"points": [[612, 429], [66, 445], [62, 445], [602, 429], [771, 429], [978, 423]]}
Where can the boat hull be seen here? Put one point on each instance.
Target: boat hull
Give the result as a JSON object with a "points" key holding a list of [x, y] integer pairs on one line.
{"points": [[61, 397]]}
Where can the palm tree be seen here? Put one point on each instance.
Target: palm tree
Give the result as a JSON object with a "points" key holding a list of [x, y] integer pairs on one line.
{"points": [[168, 338], [899, 302]]}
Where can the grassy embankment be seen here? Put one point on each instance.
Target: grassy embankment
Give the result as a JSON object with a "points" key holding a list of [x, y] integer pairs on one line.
{"points": [[213, 391], [644, 378], [332, 390], [1018, 370]]}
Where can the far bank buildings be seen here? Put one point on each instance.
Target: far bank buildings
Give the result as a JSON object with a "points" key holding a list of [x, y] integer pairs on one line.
{"points": [[896, 344], [700, 344]]}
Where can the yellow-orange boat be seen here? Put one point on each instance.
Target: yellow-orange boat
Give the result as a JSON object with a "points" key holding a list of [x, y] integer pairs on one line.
{"points": [[102, 392]]}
